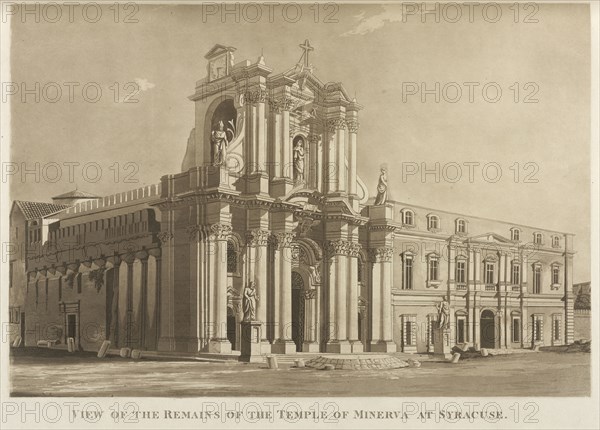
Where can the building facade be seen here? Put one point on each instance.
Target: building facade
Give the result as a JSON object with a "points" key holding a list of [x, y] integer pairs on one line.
{"points": [[269, 194]]}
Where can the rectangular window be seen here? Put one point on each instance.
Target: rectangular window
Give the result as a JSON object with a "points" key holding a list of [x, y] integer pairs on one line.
{"points": [[556, 329], [538, 327], [408, 273], [408, 333], [537, 280], [489, 273], [460, 330], [516, 329], [461, 269], [10, 273], [516, 274], [433, 270], [555, 275], [409, 330]]}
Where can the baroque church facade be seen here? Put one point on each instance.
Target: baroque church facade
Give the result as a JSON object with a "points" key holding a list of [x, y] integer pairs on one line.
{"points": [[269, 194]]}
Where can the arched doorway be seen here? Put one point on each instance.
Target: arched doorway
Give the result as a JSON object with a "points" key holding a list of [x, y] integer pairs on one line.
{"points": [[231, 325], [297, 310], [487, 329]]}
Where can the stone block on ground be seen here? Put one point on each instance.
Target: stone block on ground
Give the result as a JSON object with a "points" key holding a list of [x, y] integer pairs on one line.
{"points": [[70, 344], [455, 358], [103, 349], [136, 354], [299, 363], [329, 367], [125, 352], [484, 352], [414, 363], [272, 362]]}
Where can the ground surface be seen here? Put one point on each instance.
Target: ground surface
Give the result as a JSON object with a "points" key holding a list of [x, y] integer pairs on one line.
{"points": [[57, 373]]}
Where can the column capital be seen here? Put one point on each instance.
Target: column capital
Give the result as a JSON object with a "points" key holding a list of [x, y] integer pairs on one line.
{"points": [[257, 237], [382, 254], [314, 138], [282, 240], [310, 294], [353, 125], [220, 231], [337, 247], [165, 236], [334, 124], [257, 95], [281, 104]]}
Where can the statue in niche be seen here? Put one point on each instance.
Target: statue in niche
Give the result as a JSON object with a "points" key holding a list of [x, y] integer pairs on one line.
{"points": [[219, 141], [382, 188], [299, 160], [249, 302], [443, 314]]}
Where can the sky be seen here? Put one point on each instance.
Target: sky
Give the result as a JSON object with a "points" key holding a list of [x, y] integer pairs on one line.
{"points": [[536, 130]]}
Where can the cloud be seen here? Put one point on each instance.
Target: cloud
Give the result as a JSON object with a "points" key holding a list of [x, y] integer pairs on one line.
{"points": [[144, 84], [375, 22]]}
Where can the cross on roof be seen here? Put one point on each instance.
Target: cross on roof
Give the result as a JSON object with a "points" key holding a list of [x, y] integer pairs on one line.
{"points": [[306, 48]]}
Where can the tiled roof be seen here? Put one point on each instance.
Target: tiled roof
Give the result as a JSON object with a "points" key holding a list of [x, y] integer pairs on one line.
{"points": [[76, 194], [34, 210]]}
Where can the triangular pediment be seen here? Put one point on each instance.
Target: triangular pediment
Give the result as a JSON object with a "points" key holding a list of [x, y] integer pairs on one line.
{"points": [[489, 238]]}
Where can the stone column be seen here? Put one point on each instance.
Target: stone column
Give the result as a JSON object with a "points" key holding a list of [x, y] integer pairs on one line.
{"points": [[310, 326], [340, 142], [353, 292], [352, 130], [316, 157], [282, 244], [337, 253], [471, 295], [330, 170], [197, 257], [286, 159], [166, 340], [261, 142], [218, 282], [258, 259], [381, 314]]}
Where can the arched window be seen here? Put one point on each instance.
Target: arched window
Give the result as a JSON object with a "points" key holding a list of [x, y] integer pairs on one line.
{"points": [[461, 226], [537, 238], [433, 222], [408, 217], [555, 242]]}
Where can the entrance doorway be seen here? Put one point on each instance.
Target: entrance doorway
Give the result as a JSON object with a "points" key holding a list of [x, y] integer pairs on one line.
{"points": [[487, 329], [72, 327], [297, 310], [231, 334]]}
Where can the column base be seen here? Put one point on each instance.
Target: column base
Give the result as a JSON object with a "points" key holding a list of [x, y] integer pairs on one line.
{"points": [[283, 346], [251, 347], [357, 346], [338, 347], [383, 346], [219, 346], [310, 347]]}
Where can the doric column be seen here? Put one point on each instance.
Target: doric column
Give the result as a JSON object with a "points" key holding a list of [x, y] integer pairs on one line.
{"points": [[337, 254], [352, 130], [218, 285], [166, 341], [257, 241], [381, 313], [282, 292]]}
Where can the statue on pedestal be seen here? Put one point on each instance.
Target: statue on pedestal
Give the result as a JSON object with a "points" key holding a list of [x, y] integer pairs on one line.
{"points": [[382, 187], [299, 160], [219, 141], [249, 302], [443, 314]]}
